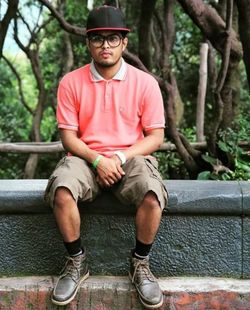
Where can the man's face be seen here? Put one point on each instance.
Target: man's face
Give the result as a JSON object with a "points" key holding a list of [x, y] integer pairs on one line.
{"points": [[106, 47]]}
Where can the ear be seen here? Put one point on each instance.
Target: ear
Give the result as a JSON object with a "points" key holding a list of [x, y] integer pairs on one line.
{"points": [[87, 43], [124, 43]]}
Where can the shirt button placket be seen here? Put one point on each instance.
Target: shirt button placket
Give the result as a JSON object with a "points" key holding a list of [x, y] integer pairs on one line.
{"points": [[107, 96]]}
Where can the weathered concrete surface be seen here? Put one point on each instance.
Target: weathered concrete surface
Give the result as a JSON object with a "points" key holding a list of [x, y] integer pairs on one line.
{"points": [[204, 231], [117, 293], [245, 189], [185, 196], [200, 246]]}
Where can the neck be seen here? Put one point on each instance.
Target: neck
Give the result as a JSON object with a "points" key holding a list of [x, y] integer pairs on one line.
{"points": [[108, 72]]}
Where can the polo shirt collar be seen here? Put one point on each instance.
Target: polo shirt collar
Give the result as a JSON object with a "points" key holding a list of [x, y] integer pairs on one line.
{"points": [[120, 75]]}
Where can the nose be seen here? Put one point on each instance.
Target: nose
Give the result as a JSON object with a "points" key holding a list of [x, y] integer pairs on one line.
{"points": [[105, 44]]}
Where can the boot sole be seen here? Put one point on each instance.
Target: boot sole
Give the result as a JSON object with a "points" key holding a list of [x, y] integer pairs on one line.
{"points": [[65, 302], [147, 306]]}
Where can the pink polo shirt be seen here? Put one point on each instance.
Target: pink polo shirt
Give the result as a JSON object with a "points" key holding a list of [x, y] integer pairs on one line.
{"points": [[109, 115]]}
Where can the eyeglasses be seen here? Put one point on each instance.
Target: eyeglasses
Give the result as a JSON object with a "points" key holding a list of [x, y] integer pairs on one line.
{"points": [[98, 40]]}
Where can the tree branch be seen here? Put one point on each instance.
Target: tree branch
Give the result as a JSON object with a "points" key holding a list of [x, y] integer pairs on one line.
{"points": [[4, 23], [147, 9], [243, 7], [212, 26], [20, 87], [221, 78], [64, 24], [227, 47], [201, 97]]}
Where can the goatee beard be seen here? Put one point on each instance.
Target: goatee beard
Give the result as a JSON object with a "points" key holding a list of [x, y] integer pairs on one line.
{"points": [[101, 64], [104, 64]]}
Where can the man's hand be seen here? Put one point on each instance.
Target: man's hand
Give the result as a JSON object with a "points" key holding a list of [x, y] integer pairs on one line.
{"points": [[109, 171]]}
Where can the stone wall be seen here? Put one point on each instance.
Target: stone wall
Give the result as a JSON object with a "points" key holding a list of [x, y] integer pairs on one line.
{"points": [[205, 231]]}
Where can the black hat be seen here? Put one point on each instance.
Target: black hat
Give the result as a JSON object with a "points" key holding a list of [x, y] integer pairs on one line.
{"points": [[106, 18]]}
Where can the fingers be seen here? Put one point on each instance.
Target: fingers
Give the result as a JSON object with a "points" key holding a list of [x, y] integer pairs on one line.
{"points": [[104, 182], [116, 176], [107, 181], [121, 171], [109, 172]]}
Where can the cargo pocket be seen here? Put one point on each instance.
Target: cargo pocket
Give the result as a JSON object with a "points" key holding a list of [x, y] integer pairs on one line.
{"points": [[152, 166]]}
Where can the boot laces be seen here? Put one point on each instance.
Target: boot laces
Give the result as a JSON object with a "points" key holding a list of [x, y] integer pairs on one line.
{"points": [[142, 271], [71, 268]]}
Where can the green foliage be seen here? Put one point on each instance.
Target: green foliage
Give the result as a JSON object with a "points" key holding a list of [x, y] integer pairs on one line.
{"points": [[48, 125], [12, 166], [75, 12], [229, 144], [47, 163], [16, 120], [185, 62], [189, 133], [13, 117], [171, 165]]}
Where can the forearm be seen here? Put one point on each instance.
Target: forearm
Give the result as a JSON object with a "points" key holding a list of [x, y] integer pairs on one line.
{"points": [[76, 146], [109, 170], [146, 146]]}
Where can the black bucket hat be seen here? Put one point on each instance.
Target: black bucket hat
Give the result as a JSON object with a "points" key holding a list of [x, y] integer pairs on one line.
{"points": [[106, 18]]}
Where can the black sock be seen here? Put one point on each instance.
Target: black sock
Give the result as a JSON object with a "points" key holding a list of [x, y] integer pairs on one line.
{"points": [[141, 249], [74, 248]]}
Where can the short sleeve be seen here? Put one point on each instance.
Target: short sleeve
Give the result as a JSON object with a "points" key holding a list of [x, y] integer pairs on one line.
{"points": [[67, 107], [152, 108]]}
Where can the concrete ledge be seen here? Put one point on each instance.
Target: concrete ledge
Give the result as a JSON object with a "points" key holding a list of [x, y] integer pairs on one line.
{"points": [[185, 197], [205, 231], [112, 293]]}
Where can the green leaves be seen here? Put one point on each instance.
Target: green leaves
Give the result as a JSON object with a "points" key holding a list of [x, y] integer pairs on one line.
{"points": [[204, 175], [209, 159]]}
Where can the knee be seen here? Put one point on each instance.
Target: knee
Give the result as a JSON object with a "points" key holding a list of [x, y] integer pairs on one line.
{"points": [[63, 197], [151, 200]]}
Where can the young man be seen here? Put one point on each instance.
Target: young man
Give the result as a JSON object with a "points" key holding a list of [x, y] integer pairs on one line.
{"points": [[111, 118]]}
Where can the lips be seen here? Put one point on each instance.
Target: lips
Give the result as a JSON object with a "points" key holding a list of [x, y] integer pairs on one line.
{"points": [[105, 54]]}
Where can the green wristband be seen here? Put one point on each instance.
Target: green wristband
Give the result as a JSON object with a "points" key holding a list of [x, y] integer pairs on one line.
{"points": [[96, 161]]}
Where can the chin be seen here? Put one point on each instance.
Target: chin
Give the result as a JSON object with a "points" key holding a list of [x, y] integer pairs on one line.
{"points": [[105, 64]]}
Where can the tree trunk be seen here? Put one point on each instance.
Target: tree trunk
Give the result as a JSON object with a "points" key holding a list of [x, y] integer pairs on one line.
{"points": [[30, 166], [212, 26], [224, 39], [32, 52], [244, 30], [200, 111], [147, 9], [223, 91], [4, 23], [168, 32], [187, 158]]}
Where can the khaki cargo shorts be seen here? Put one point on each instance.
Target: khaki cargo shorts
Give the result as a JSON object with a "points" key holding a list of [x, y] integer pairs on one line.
{"points": [[141, 176]]}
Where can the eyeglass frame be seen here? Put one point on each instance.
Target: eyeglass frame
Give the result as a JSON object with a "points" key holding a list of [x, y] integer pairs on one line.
{"points": [[105, 38]]}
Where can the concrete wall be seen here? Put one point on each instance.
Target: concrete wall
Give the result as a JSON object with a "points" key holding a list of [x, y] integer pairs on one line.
{"points": [[205, 231]]}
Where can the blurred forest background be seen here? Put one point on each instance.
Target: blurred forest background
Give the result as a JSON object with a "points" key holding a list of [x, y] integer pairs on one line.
{"points": [[199, 51]]}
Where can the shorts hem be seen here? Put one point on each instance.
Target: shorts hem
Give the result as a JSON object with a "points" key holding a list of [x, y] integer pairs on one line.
{"points": [[53, 191]]}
